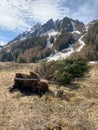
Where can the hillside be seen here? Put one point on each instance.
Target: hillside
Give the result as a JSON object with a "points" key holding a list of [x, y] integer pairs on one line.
{"points": [[42, 41], [76, 110], [91, 40], [52, 41]]}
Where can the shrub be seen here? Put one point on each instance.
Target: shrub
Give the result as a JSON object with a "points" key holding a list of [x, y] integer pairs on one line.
{"points": [[69, 69], [76, 67], [63, 77]]}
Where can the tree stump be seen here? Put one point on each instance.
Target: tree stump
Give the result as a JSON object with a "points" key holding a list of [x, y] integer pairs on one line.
{"points": [[30, 83]]}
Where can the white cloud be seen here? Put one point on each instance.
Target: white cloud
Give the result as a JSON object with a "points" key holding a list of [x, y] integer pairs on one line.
{"points": [[22, 14], [85, 13], [47, 9], [11, 14], [2, 42]]}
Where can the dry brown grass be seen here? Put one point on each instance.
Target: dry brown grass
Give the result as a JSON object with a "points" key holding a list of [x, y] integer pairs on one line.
{"points": [[77, 110]]}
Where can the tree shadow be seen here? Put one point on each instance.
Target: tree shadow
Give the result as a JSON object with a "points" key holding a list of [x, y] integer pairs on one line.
{"points": [[27, 91]]}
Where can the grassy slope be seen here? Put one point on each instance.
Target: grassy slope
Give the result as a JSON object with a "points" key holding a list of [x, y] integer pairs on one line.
{"points": [[78, 110]]}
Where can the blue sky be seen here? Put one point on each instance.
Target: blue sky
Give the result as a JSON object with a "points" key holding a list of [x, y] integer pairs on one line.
{"points": [[16, 16]]}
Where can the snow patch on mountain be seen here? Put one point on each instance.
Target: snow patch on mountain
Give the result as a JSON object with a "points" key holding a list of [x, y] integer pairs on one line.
{"points": [[49, 44], [51, 33], [74, 28], [82, 44], [23, 38], [61, 55], [67, 49], [78, 32], [14, 41]]}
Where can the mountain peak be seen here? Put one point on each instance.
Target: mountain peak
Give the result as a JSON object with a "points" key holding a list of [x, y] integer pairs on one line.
{"points": [[36, 27], [48, 25], [50, 21], [44, 40]]}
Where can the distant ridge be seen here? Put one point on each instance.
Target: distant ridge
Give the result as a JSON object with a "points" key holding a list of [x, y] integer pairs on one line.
{"points": [[41, 41]]}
